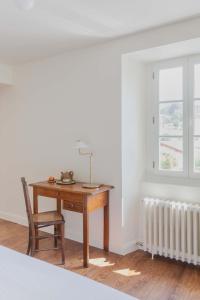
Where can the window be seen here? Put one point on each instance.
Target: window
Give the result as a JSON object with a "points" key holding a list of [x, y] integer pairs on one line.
{"points": [[176, 117], [195, 99]]}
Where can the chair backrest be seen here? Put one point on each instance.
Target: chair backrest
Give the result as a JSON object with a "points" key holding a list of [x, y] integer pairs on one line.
{"points": [[28, 204]]}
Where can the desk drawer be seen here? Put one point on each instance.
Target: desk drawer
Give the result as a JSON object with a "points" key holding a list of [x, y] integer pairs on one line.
{"points": [[76, 206], [47, 193], [71, 197]]}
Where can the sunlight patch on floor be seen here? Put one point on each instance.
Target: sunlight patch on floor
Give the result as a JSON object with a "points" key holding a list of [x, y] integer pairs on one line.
{"points": [[127, 272], [101, 262]]}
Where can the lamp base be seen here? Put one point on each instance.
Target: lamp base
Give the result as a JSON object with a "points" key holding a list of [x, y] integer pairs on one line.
{"points": [[91, 186]]}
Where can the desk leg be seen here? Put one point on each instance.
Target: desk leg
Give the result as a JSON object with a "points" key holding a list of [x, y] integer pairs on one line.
{"points": [[58, 205], [106, 225], [35, 209], [57, 228], [85, 235]]}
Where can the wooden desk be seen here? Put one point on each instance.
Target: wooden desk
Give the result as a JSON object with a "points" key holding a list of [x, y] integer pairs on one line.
{"points": [[80, 200]]}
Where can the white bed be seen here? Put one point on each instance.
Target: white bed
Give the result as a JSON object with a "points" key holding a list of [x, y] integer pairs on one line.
{"points": [[26, 278]]}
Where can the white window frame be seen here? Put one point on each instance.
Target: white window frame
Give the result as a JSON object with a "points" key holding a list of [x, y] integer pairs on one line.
{"points": [[155, 117], [192, 60]]}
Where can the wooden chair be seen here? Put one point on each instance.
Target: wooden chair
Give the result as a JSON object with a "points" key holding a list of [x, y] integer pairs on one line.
{"points": [[41, 220]]}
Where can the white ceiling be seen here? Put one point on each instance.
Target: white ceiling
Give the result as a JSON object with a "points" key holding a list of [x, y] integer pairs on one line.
{"points": [[54, 26]]}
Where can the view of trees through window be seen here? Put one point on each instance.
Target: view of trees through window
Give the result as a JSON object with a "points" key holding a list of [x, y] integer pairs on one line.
{"points": [[171, 119]]}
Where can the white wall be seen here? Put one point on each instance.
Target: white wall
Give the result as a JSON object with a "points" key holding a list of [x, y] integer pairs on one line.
{"points": [[52, 104], [6, 75], [134, 90], [172, 191], [56, 101]]}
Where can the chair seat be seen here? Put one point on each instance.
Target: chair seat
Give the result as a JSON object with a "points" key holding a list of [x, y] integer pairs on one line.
{"points": [[48, 217]]}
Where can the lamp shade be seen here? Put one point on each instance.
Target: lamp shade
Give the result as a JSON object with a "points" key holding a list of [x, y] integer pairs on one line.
{"points": [[25, 4], [80, 145]]}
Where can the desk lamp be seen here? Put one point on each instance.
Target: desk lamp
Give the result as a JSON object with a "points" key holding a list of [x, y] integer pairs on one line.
{"points": [[81, 146]]}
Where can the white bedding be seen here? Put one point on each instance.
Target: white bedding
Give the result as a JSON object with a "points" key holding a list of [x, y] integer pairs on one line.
{"points": [[26, 278]]}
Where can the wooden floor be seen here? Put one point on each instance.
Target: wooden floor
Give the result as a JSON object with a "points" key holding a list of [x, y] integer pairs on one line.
{"points": [[136, 274]]}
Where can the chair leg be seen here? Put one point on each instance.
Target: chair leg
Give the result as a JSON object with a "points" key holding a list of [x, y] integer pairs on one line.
{"points": [[36, 241], [29, 243], [33, 242], [62, 243], [32, 246], [55, 238]]}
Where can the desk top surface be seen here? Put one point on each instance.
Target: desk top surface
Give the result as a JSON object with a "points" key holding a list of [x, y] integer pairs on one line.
{"points": [[72, 188]]}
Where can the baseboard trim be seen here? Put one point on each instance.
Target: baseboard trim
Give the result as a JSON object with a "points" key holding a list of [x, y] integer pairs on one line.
{"points": [[13, 218], [129, 247]]}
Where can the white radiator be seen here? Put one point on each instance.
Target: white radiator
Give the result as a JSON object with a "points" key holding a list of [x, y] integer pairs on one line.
{"points": [[172, 229]]}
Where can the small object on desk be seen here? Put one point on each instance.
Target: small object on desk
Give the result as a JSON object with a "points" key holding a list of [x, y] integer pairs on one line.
{"points": [[66, 180], [67, 176], [91, 185], [51, 179], [63, 182]]}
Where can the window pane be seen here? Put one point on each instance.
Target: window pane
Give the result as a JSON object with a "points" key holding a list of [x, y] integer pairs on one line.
{"points": [[171, 154], [171, 84], [197, 81], [197, 117], [197, 154], [171, 118]]}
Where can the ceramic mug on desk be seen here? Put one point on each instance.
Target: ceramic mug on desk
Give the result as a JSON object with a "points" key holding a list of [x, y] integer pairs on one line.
{"points": [[67, 176]]}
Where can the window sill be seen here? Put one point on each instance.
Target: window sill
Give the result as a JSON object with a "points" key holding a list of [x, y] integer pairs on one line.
{"points": [[174, 180]]}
